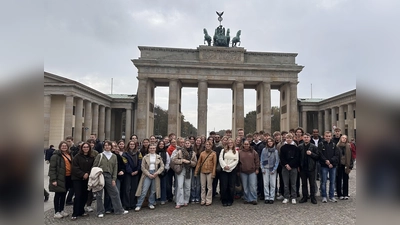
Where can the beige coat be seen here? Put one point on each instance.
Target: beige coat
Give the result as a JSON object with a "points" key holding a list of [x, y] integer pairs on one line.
{"points": [[146, 173]]}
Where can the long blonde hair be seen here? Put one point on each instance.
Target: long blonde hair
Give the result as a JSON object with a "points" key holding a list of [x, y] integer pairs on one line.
{"points": [[226, 148]]}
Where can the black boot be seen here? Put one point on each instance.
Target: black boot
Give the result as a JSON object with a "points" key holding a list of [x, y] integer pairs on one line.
{"points": [[313, 200], [304, 199]]}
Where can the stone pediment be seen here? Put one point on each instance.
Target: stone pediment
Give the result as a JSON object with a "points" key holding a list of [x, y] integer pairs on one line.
{"points": [[51, 78]]}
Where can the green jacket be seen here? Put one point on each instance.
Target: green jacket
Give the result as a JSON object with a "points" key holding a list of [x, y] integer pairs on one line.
{"points": [[57, 172], [107, 165]]}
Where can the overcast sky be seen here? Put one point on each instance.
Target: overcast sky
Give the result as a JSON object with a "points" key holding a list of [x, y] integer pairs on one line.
{"points": [[94, 41]]}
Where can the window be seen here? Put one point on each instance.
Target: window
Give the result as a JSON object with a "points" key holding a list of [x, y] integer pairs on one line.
{"points": [[73, 110], [354, 114], [345, 117]]}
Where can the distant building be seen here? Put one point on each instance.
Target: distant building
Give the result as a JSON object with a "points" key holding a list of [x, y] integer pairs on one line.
{"points": [[338, 111]]}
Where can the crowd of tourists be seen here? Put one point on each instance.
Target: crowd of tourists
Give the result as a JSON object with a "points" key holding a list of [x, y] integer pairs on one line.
{"points": [[247, 169]]}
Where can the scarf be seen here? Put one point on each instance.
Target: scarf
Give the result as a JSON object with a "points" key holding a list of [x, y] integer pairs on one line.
{"points": [[345, 154], [134, 155], [187, 154]]}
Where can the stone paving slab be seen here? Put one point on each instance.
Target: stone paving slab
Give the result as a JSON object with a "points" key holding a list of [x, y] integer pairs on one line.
{"points": [[342, 212]]}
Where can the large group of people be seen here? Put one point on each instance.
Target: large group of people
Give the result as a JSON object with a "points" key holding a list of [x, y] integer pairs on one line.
{"points": [[135, 174]]}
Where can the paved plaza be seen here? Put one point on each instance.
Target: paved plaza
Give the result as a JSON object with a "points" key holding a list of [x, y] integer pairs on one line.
{"points": [[342, 212]]}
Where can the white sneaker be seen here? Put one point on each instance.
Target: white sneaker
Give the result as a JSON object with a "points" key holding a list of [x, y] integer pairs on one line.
{"points": [[125, 212], [341, 198], [108, 212], [89, 209], [333, 199], [151, 207], [58, 215], [64, 214], [324, 200], [294, 201], [346, 197], [137, 209], [280, 197], [285, 201], [100, 215], [162, 203]]}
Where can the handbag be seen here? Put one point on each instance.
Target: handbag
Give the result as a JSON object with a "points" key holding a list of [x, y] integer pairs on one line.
{"points": [[177, 168], [219, 168]]}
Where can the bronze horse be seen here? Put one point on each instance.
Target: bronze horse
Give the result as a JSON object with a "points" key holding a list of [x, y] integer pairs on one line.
{"points": [[236, 39], [207, 37]]}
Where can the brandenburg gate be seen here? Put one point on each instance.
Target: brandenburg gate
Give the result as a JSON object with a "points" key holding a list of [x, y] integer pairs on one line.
{"points": [[216, 67]]}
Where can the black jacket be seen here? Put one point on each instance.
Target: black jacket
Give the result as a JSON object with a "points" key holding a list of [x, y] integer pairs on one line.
{"points": [[308, 162], [81, 164], [98, 146], [290, 154], [328, 151], [258, 147], [320, 139], [121, 166]]}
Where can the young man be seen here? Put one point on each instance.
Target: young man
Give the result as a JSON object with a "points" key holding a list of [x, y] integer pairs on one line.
{"points": [[337, 135], [258, 146], [217, 140], [290, 160], [240, 133], [228, 133], [308, 161], [98, 146], [329, 159], [316, 139]]}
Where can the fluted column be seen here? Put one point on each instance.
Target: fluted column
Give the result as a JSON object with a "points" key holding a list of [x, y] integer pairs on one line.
{"points": [[102, 120], [350, 121], [108, 123], [69, 105], [128, 125], [333, 119], [112, 133], [239, 105], [327, 122], [202, 95], [293, 111], [266, 108], [88, 119], [46, 126], [78, 120], [173, 107], [142, 109], [341, 118], [304, 120], [320, 122], [95, 121]]}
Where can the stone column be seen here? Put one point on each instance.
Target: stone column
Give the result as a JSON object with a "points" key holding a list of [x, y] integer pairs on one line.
{"points": [[108, 123], [128, 124], [266, 107], [304, 120], [88, 119], [350, 121], [341, 119], [102, 120], [118, 124], [202, 95], [112, 133], [293, 110], [320, 122], [327, 122], [69, 105], [173, 107], [239, 109], [95, 121], [46, 126], [142, 109], [78, 120], [333, 119]]}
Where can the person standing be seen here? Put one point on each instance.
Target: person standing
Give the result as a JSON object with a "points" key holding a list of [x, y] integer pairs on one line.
{"points": [[81, 166], [198, 148], [228, 160], [162, 151], [249, 164], [308, 161], [133, 163], [290, 160], [344, 168], [60, 177], [329, 159], [269, 165], [206, 166]]}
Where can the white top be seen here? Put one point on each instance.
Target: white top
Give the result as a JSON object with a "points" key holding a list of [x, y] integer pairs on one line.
{"points": [[228, 159], [152, 162], [315, 141]]}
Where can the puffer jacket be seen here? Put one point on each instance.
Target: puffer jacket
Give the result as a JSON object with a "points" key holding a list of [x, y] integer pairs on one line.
{"points": [[57, 172], [209, 165]]}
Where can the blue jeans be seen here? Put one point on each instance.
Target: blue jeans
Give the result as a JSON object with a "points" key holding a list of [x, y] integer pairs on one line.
{"points": [[332, 177], [163, 185], [147, 183], [195, 187], [249, 182], [269, 185]]}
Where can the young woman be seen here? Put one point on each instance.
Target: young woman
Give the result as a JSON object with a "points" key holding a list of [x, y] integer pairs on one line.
{"points": [[133, 163], [81, 166], [186, 157], [206, 166], [269, 165], [195, 187], [60, 177], [162, 151], [290, 160], [344, 168], [171, 148], [121, 146], [145, 147], [108, 162], [228, 160], [88, 208], [152, 166], [249, 168]]}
